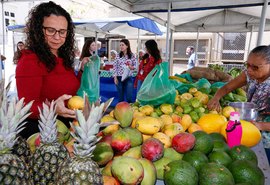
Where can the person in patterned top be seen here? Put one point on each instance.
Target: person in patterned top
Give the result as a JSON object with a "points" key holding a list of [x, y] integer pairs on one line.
{"points": [[123, 66], [257, 79]]}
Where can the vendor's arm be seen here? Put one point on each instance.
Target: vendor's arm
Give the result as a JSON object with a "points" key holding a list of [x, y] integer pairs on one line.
{"points": [[263, 126], [237, 82]]}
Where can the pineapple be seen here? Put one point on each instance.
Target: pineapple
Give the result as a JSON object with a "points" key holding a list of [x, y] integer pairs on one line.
{"points": [[50, 154], [22, 149], [81, 169], [13, 170]]}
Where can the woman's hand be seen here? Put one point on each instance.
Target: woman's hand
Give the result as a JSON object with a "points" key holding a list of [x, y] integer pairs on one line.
{"points": [[115, 80], [84, 61], [213, 104], [61, 109]]}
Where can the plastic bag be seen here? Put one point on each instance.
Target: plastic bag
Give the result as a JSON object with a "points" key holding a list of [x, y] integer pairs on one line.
{"points": [[125, 74], [90, 79], [157, 88]]}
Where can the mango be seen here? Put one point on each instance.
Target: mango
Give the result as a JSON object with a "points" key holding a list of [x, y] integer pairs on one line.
{"points": [[166, 119], [134, 152], [163, 138], [120, 141], [110, 129], [145, 137], [103, 153], [123, 113], [148, 125], [107, 169], [172, 129], [109, 180], [127, 170], [186, 121], [149, 172], [134, 135], [172, 154], [160, 166], [146, 109], [75, 103]]}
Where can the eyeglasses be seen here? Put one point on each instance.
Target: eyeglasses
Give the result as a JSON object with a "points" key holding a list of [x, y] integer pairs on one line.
{"points": [[49, 31], [254, 67]]}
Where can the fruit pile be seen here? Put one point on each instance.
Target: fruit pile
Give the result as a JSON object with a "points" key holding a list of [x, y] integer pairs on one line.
{"points": [[148, 145]]}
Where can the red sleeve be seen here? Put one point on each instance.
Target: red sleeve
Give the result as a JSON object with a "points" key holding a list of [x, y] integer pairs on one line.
{"points": [[29, 73]]}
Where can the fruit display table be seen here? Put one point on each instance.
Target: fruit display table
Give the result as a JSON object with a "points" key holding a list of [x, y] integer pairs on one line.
{"points": [[262, 163], [108, 88]]}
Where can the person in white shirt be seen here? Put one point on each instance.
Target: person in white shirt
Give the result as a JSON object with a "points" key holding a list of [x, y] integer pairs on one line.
{"points": [[192, 61]]}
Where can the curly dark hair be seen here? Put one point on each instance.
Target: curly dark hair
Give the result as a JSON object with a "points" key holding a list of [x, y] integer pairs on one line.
{"points": [[36, 40], [85, 49], [129, 53]]}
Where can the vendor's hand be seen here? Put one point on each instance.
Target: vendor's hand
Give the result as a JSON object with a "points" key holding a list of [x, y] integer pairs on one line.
{"points": [[61, 109], [213, 104], [84, 61], [115, 80]]}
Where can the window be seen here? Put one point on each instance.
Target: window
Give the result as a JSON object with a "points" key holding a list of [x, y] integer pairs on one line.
{"points": [[12, 14], [7, 22], [6, 13]]}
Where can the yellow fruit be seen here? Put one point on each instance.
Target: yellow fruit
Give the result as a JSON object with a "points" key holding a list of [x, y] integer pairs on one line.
{"points": [[111, 113], [186, 96], [163, 138], [251, 135], [110, 129], [175, 118], [203, 98], [166, 119], [197, 94], [134, 120], [75, 103], [166, 108], [194, 127], [138, 114], [106, 118], [192, 90], [148, 125], [186, 121], [226, 111], [146, 109], [172, 129], [179, 109], [213, 112], [145, 137], [211, 122]]}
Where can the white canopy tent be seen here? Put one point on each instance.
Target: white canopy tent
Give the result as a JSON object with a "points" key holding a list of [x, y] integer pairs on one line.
{"points": [[201, 15]]}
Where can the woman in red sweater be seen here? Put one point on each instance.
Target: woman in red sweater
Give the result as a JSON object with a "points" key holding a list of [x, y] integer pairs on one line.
{"points": [[44, 70], [148, 62]]}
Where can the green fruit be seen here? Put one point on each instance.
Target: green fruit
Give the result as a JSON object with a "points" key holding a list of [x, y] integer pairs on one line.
{"points": [[217, 136], [194, 116], [134, 135], [149, 172], [134, 152], [160, 166], [187, 109], [204, 142], [172, 154], [242, 152], [245, 171], [195, 103], [180, 173], [220, 157], [213, 173], [103, 153], [158, 111], [123, 113], [221, 146], [196, 158], [127, 170]]}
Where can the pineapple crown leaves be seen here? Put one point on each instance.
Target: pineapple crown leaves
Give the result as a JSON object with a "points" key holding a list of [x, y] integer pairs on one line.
{"points": [[47, 122], [85, 132], [12, 116]]}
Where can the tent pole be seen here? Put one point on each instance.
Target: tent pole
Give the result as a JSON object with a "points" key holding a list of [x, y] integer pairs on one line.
{"points": [[96, 39], [3, 26], [138, 42], [262, 22], [168, 31], [250, 38], [197, 45], [171, 53]]}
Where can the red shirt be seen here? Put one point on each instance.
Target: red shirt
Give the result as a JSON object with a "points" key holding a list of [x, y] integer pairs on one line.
{"points": [[146, 66], [34, 82]]}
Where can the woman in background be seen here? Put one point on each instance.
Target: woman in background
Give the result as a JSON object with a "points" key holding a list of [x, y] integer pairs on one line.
{"points": [[88, 50], [125, 61], [18, 53], [148, 62]]}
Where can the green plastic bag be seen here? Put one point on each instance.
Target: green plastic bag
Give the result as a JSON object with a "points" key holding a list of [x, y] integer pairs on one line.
{"points": [[157, 88], [90, 79]]}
